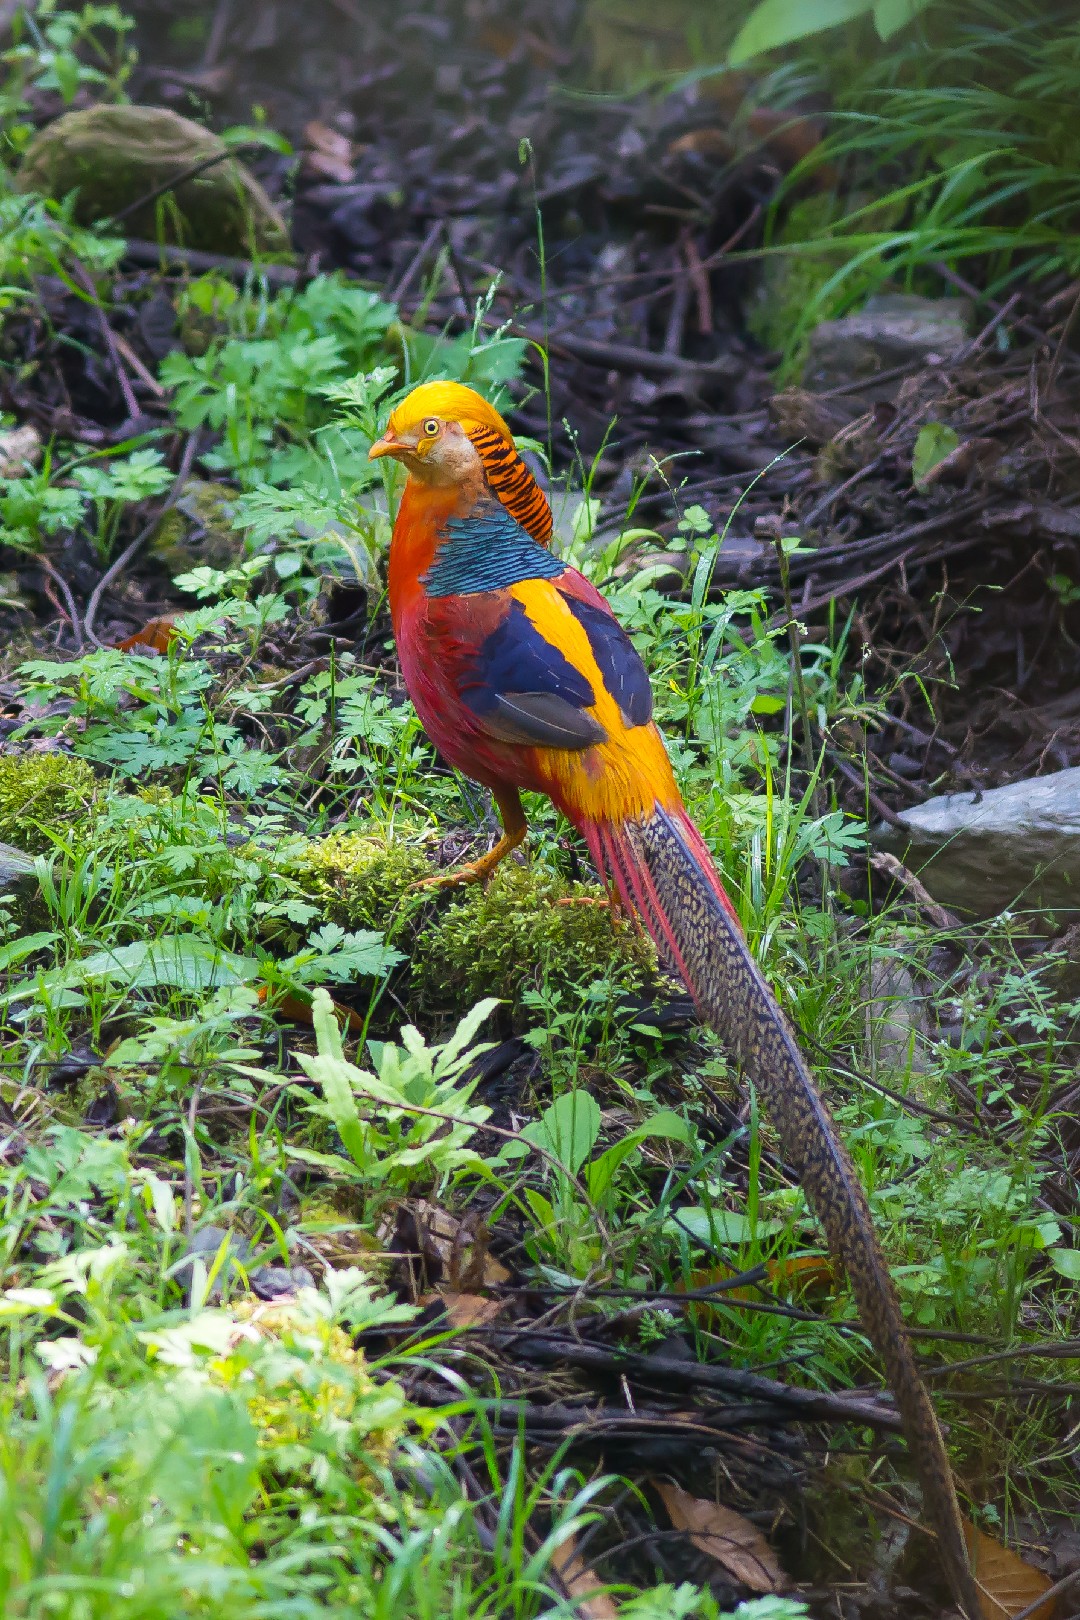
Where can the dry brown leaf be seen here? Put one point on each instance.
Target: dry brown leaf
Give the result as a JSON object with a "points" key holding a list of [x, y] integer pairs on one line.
{"points": [[459, 1248], [726, 1536], [329, 153], [1006, 1583], [796, 1275], [297, 1010], [470, 1310], [583, 1583], [154, 636], [709, 142]]}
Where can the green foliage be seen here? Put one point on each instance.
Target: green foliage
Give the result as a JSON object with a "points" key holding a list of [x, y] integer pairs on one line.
{"points": [[42, 793], [409, 1121], [115, 483], [63, 51], [142, 713], [969, 115], [775, 23], [270, 381]]}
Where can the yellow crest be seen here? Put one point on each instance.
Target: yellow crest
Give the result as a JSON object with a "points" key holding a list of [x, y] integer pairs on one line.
{"points": [[450, 402]]}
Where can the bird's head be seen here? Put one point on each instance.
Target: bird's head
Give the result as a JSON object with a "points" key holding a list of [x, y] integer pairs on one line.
{"points": [[430, 432]]}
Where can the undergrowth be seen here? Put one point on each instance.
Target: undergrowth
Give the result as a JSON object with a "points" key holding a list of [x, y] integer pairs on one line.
{"points": [[237, 1037]]}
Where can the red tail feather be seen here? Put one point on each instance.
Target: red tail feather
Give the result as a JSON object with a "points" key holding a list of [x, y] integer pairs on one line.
{"points": [[617, 853]]}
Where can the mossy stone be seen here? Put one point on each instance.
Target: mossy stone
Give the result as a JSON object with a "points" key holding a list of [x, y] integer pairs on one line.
{"points": [[515, 935], [39, 791], [637, 42], [198, 531], [115, 156], [493, 940], [361, 879]]}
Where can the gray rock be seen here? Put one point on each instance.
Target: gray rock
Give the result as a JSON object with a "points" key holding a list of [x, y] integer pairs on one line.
{"points": [[899, 1026], [893, 329], [205, 1244], [20, 448], [16, 869], [115, 156], [198, 531], [277, 1282], [980, 853]]}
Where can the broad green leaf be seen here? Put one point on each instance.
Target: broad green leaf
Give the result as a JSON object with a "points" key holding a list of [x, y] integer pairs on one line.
{"points": [[712, 1227], [17, 950], [766, 703], [892, 15], [181, 961], [936, 440], [541, 1207], [1066, 1262], [667, 1124], [567, 1129], [323, 1161], [778, 22]]}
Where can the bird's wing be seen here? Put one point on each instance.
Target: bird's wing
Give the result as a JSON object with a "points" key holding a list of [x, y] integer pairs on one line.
{"points": [[618, 660], [538, 662], [520, 687]]}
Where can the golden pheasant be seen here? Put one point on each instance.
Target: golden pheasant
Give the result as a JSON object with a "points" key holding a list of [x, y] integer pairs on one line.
{"points": [[524, 679]]}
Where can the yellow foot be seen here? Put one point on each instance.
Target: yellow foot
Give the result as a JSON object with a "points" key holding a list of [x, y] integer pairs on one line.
{"points": [[474, 872], [514, 830], [609, 902]]}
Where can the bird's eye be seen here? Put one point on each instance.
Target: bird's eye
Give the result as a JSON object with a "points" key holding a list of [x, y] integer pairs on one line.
{"points": [[431, 428]]}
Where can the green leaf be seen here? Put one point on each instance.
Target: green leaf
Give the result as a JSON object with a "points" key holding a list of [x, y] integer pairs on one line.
{"points": [[334, 1076], [541, 1208], [892, 15], [779, 22], [1066, 1262], [17, 950], [666, 1124], [567, 1129], [936, 440], [766, 703], [179, 962], [714, 1227]]}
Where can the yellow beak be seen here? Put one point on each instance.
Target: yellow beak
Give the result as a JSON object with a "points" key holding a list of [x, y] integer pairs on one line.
{"points": [[388, 445]]}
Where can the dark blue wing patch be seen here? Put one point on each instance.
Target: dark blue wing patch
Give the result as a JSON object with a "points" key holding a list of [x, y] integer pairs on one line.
{"points": [[487, 551], [617, 659], [523, 690]]}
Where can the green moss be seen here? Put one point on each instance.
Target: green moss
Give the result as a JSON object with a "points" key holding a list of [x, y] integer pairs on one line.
{"points": [[514, 935], [478, 941], [362, 880], [788, 303], [39, 791]]}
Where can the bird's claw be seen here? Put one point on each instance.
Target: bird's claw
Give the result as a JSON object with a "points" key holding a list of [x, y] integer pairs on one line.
{"points": [[461, 875]]}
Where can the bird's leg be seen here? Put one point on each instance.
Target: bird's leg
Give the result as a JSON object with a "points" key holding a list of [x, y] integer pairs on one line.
{"points": [[514, 829]]}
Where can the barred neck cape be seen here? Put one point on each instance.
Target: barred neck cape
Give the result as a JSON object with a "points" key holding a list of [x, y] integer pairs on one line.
{"points": [[511, 482]]}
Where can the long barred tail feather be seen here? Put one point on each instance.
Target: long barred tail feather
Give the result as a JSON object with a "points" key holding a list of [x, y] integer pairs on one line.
{"points": [[662, 868]]}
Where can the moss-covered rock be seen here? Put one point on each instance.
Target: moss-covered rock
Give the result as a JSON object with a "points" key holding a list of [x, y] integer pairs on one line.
{"points": [[790, 299], [43, 790], [198, 531], [493, 940], [515, 935], [115, 156], [362, 880]]}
